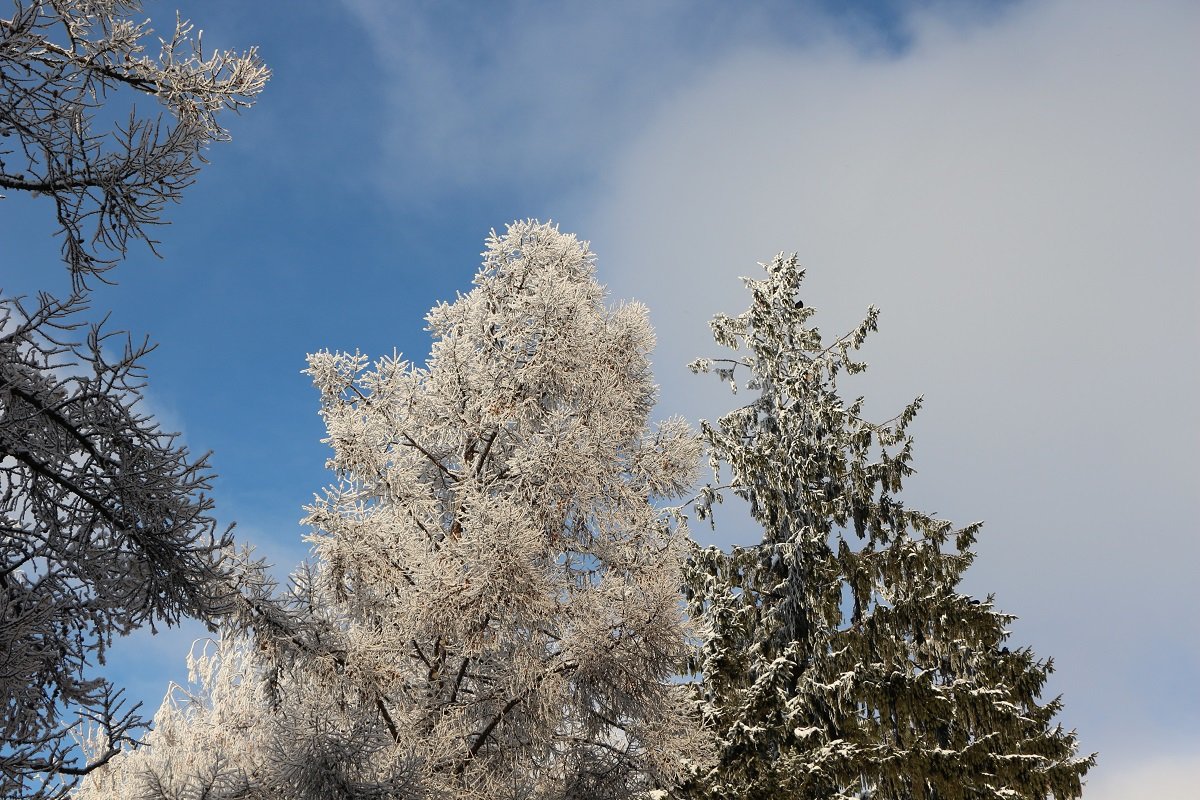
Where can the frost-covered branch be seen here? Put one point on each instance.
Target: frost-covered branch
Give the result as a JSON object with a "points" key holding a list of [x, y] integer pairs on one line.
{"points": [[106, 526], [65, 67]]}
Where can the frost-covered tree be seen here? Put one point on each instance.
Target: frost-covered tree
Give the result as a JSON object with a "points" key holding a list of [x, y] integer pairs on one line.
{"points": [[840, 659], [494, 609], [65, 67], [105, 526], [105, 523], [211, 737]]}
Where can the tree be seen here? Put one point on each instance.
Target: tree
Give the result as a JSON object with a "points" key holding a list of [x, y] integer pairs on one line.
{"points": [[106, 520], [840, 659], [106, 527], [494, 611], [62, 62], [212, 738]]}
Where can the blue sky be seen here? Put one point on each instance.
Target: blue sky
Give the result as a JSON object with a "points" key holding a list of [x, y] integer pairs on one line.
{"points": [[1015, 184]]}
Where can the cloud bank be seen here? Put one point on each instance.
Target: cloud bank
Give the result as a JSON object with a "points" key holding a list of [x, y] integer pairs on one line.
{"points": [[1021, 200]]}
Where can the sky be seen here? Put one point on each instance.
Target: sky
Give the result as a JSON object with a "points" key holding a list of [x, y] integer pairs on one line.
{"points": [[1015, 184]]}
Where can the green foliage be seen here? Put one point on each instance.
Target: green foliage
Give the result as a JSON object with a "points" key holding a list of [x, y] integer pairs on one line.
{"points": [[839, 660]]}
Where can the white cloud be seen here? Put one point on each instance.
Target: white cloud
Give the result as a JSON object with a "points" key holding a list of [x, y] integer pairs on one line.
{"points": [[1161, 777], [1021, 199], [530, 93]]}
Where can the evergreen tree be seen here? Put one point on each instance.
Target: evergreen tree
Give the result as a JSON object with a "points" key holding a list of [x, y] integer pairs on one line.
{"points": [[840, 660]]}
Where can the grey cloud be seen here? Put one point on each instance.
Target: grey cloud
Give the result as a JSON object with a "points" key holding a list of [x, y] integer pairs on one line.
{"points": [[1021, 201]]}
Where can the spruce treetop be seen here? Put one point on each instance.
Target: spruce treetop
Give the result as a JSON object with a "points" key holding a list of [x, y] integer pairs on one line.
{"points": [[840, 659]]}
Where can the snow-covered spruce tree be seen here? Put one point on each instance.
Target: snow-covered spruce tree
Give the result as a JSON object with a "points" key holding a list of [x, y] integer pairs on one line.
{"points": [[840, 659], [494, 609]]}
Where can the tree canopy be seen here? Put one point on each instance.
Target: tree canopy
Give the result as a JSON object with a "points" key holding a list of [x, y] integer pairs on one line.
{"points": [[495, 596], [495, 606]]}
